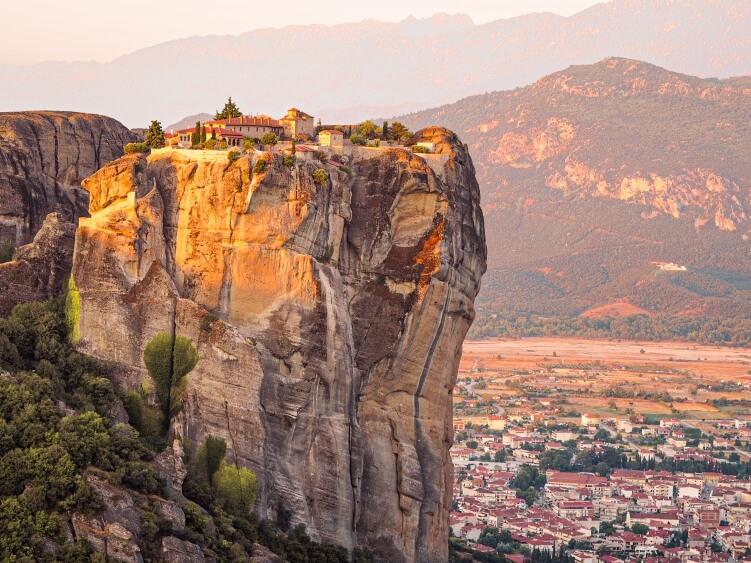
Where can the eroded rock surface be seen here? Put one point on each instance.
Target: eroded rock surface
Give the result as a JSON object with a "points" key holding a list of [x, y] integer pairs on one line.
{"points": [[40, 269], [44, 156], [328, 318]]}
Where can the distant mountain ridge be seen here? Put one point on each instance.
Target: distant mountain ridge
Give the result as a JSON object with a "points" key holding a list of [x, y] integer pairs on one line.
{"points": [[595, 177], [340, 72]]}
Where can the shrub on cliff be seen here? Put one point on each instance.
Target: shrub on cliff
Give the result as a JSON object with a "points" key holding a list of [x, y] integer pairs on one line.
{"points": [[236, 488], [169, 359], [320, 178], [6, 251], [131, 148], [73, 310]]}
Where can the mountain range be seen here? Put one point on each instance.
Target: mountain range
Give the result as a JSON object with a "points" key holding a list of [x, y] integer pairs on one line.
{"points": [[613, 188], [349, 72]]}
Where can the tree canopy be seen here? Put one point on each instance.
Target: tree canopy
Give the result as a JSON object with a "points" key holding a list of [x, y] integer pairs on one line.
{"points": [[230, 110], [269, 139], [155, 135], [169, 359]]}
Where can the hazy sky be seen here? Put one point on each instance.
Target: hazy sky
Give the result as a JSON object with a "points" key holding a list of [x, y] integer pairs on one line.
{"points": [[101, 30]]}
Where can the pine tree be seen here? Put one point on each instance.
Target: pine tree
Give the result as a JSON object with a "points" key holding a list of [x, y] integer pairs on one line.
{"points": [[155, 135], [230, 110]]}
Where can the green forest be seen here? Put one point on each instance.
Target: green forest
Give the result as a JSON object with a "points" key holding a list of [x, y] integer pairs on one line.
{"points": [[57, 431], [657, 328]]}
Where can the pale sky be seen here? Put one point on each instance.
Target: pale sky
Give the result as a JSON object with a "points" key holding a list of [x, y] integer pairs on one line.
{"points": [[101, 30]]}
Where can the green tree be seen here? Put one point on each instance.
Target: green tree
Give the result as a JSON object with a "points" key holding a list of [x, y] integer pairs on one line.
{"points": [[203, 134], [155, 135], [169, 359], [85, 438], [237, 487], [385, 130], [269, 139], [319, 177], [195, 139], [399, 132], [639, 528], [367, 129], [230, 110], [210, 456], [489, 536]]}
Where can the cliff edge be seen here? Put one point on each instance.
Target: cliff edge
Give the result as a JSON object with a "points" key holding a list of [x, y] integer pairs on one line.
{"points": [[328, 309]]}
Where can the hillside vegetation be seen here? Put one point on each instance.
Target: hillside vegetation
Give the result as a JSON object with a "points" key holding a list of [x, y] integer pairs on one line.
{"points": [[593, 179], [67, 459]]}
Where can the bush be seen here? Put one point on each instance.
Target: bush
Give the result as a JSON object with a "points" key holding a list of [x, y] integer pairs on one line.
{"points": [[358, 139], [236, 487], [260, 166], [320, 177], [6, 251], [85, 438], [210, 456], [233, 155], [289, 160], [131, 148]]}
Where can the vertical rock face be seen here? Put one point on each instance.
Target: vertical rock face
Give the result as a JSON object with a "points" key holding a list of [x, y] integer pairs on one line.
{"points": [[40, 269], [329, 319], [44, 155]]}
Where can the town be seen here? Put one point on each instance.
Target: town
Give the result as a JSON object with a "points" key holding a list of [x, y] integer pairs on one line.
{"points": [[557, 458]]}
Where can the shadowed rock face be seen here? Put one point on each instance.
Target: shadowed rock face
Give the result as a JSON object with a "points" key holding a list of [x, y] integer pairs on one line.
{"points": [[44, 155], [40, 269], [329, 321]]}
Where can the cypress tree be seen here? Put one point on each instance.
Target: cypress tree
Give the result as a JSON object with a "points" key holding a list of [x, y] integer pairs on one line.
{"points": [[196, 137], [203, 134]]}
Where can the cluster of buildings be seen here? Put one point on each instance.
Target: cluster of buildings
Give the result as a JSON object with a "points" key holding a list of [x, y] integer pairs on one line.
{"points": [[295, 125], [628, 515]]}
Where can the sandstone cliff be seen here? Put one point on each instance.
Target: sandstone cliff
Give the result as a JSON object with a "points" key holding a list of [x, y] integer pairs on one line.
{"points": [[329, 319], [44, 156]]}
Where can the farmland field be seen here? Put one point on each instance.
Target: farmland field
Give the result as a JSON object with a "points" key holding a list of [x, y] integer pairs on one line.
{"points": [[612, 377]]}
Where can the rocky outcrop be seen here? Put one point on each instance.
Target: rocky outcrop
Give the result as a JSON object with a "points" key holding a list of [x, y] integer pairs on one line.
{"points": [[115, 531], [328, 313], [39, 270], [44, 156]]}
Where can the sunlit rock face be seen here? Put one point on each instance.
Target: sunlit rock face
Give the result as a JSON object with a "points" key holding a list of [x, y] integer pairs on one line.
{"points": [[329, 319]]}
